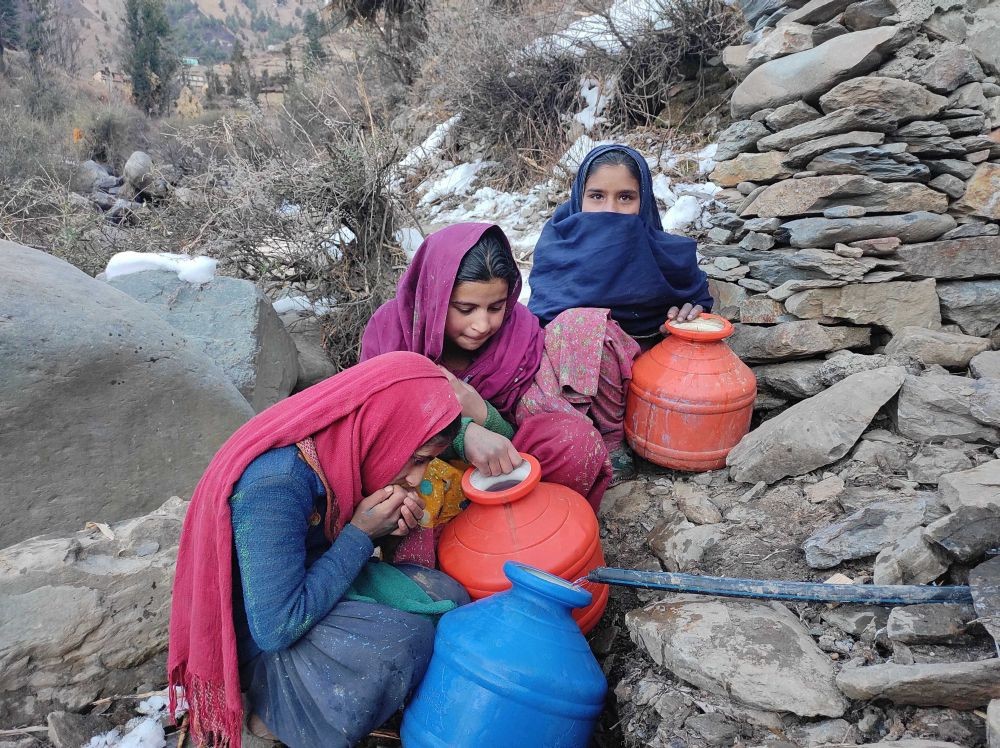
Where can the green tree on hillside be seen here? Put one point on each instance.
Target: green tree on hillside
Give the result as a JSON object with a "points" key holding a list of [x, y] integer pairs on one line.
{"points": [[10, 31], [146, 54], [314, 30]]}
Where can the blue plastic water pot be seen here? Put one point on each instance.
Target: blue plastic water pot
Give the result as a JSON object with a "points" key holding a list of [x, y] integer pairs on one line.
{"points": [[510, 670]]}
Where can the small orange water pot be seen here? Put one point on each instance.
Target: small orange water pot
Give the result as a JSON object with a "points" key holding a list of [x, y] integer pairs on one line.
{"points": [[517, 517], [691, 397]]}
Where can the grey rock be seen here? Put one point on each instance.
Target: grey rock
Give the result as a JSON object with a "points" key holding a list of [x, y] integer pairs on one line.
{"points": [[909, 560], [754, 241], [894, 305], [971, 229], [928, 624], [969, 96], [89, 177], [967, 533], [729, 221], [856, 619], [982, 37], [791, 287], [231, 321], [754, 285], [956, 258], [798, 379], [938, 146], [862, 533], [972, 305], [961, 169], [993, 724], [848, 119], [938, 406], [953, 187], [951, 66], [803, 153], [934, 460], [681, 545], [762, 225], [792, 340], [84, 616], [763, 310], [719, 236], [816, 11], [748, 189], [784, 40], [978, 487], [824, 32], [68, 730], [826, 232], [141, 178], [883, 449], [814, 432], [870, 162], [903, 100], [108, 358], [981, 193], [791, 115], [867, 14], [971, 125], [843, 364], [703, 641], [699, 509], [959, 685], [985, 365], [846, 211], [739, 137], [984, 584], [314, 363], [726, 263], [807, 75], [816, 194], [713, 728], [734, 57], [951, 350], [750, 168], [922, 129], [728, 297], [877, 247]]}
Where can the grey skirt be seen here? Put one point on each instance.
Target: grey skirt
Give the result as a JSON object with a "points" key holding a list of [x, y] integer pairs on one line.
{"points": [[350, 672]]}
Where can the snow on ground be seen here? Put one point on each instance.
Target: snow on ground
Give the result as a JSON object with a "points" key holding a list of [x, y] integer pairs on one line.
{"points": [[431, 147], [140, 732], [602, 31], [597, 95], [304, 304], [188, 268]]}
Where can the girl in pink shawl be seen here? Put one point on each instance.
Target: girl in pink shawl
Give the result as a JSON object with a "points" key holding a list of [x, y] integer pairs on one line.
{"points": [[457, 305]]}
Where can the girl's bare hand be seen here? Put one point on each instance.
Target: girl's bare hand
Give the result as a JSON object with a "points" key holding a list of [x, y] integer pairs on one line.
{"points": [[492, 454], [685, 314], [388, 512], [473, 405]]}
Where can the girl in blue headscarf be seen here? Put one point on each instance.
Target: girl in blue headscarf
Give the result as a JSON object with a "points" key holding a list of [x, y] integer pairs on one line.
{"points": [[606, 247], [604, 256]]}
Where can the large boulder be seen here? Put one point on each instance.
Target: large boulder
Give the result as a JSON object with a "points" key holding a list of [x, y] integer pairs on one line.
{"points": [[807, 75], [948, 349], [85, 615], [814, 432], [756, 653], [978, 487], [231, 321], [105, 409]]}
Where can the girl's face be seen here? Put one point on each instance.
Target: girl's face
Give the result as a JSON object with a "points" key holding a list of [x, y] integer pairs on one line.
{"points": [[414, 469], [611, 188], [475, 313]]}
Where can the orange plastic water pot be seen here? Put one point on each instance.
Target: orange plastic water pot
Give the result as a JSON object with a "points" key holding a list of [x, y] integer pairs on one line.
{"points": [[691, 398], [517, 517]]}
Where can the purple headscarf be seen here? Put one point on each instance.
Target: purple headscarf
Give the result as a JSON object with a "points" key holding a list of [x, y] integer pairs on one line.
{"points": [[414, 321]]}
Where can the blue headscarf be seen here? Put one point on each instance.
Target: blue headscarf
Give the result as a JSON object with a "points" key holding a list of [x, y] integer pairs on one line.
{"points": [[626, 263]]}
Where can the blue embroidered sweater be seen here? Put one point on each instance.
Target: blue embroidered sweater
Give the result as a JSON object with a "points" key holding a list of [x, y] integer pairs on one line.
{"points": [[290, 575]]}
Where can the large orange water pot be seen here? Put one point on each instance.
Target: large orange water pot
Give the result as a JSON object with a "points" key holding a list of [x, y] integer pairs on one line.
{"points": [[691, 397], [517, 517]]}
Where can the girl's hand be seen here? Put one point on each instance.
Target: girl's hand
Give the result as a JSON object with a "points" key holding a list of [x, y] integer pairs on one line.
{"points": [[491, 453], [685, 314], [473, 405], [392, 511]]}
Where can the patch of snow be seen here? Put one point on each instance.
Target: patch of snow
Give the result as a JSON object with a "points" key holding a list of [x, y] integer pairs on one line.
{"points": [[304, 304], [153, 706], [594, 93], [575, 154], [525, 294], [662, 191], [141, 732], [409, 239], [602, 31], [337, 241], [455, 181], [682, 213], [706, 158], [289, 210], [431, 147], [188, 268]]}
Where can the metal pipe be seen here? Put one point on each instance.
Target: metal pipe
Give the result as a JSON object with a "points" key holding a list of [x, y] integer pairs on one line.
{"points": [[772, 589]]}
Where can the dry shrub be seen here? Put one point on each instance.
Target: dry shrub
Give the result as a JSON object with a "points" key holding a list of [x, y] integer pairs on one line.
{"points": [[657, 55], [512, 105]]}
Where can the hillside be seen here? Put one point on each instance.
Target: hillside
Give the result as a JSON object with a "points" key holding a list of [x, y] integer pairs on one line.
{"points": [[204, 29]]}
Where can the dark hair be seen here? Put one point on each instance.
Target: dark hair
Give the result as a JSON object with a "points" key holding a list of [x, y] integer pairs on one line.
{"points": [[614, 158], [487, 259], [448, 433]]}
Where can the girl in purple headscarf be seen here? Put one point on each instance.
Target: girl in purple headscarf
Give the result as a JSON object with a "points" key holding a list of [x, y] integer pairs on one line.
{"points": [[521, 388]]}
